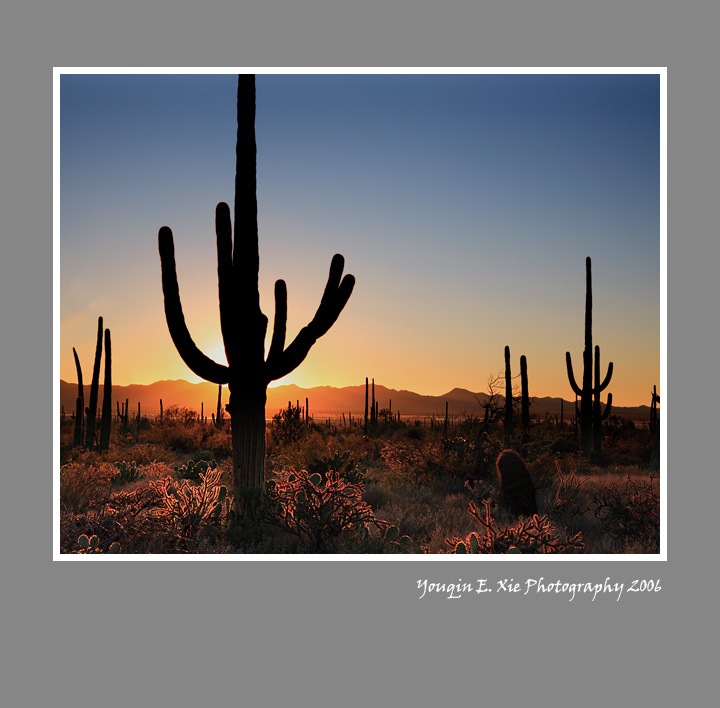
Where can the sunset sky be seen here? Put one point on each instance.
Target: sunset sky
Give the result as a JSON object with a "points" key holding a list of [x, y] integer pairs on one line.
{"points": [[464, 204]]}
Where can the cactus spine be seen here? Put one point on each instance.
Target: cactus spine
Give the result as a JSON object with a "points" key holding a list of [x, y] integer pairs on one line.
{"points": [[589, 423], [243, 325]]}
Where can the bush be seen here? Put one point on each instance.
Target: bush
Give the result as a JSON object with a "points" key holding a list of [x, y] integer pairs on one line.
{"points": [[318, 513], [127, 473], [343, 464], [82, 484], [630, 514], [537, 534], [288, 426], [189, 509], [194, 470]]}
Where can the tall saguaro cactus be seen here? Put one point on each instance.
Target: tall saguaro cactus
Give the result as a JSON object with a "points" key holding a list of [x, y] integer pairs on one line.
{"points": [[94, 387], [106, 419], [589, 420], [80, 404], [509, 423], [243, 325], [525, 398]]}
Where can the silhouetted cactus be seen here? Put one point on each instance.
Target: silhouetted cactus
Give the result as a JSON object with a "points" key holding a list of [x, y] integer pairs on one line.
{"points": [[516, 485], [367, 394], [219, 417], [599, 417], [655, 430], [525, 399], [107, 397], [94, 386], [654, 401], [509, 423], [588, 420], [79, 405], [243, 325]]}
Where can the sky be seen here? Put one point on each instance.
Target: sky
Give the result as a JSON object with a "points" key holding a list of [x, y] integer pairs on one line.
{"points": [[465, 206]]}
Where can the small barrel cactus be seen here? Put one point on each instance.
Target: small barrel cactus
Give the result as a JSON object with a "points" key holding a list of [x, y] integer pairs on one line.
{"points": [[518, 490]]}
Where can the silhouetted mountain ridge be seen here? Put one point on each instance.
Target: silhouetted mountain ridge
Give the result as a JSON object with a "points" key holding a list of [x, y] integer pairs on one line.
{"points": [[324, 401]]}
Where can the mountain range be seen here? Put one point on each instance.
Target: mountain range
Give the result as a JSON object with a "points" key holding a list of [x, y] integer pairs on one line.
{"points": [[323, 401]]}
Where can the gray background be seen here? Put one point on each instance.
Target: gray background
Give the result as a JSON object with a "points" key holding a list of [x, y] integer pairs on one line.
{"points": [[350, 633]]}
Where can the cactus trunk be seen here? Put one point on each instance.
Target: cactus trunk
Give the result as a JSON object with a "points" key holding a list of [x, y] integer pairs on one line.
{"points": [[107, 397], [509, 425], [94, 386], [525, 409], [367, 386]]}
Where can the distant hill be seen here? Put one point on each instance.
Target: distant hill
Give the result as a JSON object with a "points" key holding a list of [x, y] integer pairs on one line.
{"points": [[323, 401]]}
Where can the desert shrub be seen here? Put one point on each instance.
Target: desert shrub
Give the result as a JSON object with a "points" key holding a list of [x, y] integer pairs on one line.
{"points": [[538, 534], [287, 425], [487, 449], [417, 463], [128, 472], [190, 509], [631, 514], [180, 414], [566, 503], [460, 456], [193, 470], [318, 513], [483, 490], [83, 483], [122, 517], [339, 462]]}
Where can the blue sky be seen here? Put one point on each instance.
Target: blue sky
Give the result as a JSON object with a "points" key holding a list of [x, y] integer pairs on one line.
{"points": [[465, 206]]}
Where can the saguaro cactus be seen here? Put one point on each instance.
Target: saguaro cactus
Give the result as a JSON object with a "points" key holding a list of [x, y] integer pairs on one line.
{"points": [[588, 391], [107, 397], [79, 405], [243, 325], [94, 387], [525, 404], [509, 423]]}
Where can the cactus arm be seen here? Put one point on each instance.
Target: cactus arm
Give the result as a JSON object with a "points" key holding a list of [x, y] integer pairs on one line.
{"points": [[279, 324], [607, 378], [571, 377], [107, 396], [223, 232], [196, 361], [337, 292], [81, 392], [608, 407], [334, 299]]}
